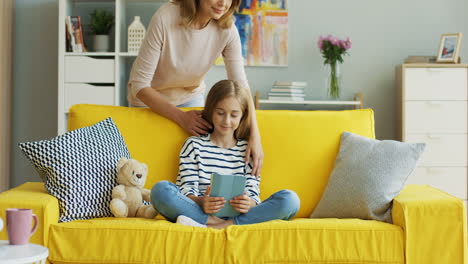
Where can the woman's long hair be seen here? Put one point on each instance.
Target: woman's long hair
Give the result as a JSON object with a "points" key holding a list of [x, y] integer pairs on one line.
{"points": [[190, 8], [224, 89]]}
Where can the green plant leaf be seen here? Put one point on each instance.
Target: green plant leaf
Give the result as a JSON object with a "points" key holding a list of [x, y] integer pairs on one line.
{"points": [[102, 22]]}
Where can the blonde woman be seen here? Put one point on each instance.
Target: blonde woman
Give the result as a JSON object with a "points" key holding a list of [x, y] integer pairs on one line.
{"points": [[184, 39], [222, 151]]}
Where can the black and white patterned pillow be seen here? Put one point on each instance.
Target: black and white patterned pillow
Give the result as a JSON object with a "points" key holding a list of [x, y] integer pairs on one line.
{"points": [[80, 168]]}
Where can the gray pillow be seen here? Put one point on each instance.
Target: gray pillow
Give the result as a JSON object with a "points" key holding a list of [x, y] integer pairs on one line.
{"points": [[368, 174]]}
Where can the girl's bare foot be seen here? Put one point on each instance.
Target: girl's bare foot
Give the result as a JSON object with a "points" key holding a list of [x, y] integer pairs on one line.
{"points": [[213, 220], [221, 225]]}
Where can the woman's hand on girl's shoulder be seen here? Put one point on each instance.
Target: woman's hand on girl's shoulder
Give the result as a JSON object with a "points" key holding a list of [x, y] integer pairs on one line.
{"points": [[193, 122], [255, 151]]}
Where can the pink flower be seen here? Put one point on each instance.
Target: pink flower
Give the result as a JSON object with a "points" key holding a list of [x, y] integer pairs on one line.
{"points": [[342, 44], [348, 43], [320, 43], [330, 53]]}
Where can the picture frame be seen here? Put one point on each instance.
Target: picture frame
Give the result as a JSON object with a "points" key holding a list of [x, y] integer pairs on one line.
{"points": [[449, 48]]}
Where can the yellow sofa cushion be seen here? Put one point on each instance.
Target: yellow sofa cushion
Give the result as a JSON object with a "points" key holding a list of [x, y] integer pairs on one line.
{"points": [[316, 241], [434, 224], [134, 240], [300, 146]]}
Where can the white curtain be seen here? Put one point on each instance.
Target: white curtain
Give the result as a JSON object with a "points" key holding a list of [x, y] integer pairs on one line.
{"points": [[6, 50]]}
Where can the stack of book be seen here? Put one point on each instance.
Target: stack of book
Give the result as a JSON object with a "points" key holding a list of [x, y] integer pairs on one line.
{"points": [[420, 59], [287, 91]]}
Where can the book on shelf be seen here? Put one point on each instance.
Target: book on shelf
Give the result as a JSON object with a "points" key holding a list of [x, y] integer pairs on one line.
{"points": [[227, 186], [68, 40], [285, 98], [74, 38], [287, 87], [286, 94], [288, 90], [290, 84]]}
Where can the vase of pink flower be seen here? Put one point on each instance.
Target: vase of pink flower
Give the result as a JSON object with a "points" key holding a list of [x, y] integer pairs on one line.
{"points": [[333, 49]]}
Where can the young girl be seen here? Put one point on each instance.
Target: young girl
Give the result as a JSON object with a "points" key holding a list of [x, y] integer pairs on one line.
{"points": [[222, 151]]}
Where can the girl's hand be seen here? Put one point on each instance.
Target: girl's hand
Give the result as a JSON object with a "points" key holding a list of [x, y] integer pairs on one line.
{"points": [[193, 122], [211, 205], [242, 203], [254, 149]]}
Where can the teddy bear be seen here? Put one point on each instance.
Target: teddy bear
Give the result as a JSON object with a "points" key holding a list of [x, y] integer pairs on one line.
{"points": [[128, 196]]}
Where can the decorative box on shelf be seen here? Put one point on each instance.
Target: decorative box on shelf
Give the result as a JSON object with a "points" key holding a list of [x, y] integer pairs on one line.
{"points": [[357, 103]]}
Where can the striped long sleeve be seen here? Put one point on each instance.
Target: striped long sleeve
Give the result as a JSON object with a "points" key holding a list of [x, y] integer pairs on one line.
{"points": [[199, 158], [187, 179]]}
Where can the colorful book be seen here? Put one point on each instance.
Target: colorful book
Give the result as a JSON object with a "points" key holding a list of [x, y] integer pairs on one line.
{"points": [[75, 32], [70, 37], [227, 186]]}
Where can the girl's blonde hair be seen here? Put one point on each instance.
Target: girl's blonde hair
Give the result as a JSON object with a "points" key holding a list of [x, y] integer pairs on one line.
{"points": [[224, 89], [190, 8]]}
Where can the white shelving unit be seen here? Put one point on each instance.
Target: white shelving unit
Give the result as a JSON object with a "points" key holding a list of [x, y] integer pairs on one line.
{"points": [[357, 103], [97, 77]]}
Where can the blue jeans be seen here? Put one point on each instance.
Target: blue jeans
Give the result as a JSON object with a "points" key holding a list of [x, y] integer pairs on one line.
{"points": [[170, 202]]}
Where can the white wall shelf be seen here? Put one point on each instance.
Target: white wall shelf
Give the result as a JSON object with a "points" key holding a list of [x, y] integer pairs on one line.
{"points": [[310, 102], [357, 103]]}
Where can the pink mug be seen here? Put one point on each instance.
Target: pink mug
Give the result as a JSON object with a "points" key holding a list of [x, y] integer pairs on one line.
{"points": [[18, 222]]}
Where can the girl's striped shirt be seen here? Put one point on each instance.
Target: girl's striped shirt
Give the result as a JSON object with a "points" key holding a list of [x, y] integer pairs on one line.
{"points": [[199, 158]]}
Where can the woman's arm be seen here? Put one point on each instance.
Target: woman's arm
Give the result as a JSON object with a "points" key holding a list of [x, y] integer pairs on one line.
{"points": [[254, 148], [142, 74], [234, 62]]}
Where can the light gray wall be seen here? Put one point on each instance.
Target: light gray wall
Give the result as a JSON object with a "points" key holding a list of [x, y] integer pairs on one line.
{"points": [[34, 80], [383, 34]]}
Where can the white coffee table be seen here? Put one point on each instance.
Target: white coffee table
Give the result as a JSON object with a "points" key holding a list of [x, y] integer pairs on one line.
{"points": [[22, 254]]}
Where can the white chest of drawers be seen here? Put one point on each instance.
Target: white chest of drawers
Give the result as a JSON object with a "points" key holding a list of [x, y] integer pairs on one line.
{"points": [[432, 107]]}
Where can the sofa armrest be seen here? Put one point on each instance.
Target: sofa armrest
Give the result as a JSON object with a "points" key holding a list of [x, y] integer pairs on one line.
{"points": [[31, 195], [434, 225]]}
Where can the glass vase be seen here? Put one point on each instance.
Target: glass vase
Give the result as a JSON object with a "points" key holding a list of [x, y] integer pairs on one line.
{"points": [[334, 80]]}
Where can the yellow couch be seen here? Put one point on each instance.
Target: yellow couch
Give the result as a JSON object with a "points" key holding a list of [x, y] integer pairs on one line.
{"points": [[429, 226]]}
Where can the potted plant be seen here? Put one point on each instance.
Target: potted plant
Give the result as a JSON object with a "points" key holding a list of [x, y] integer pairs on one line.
{"points": [[102, 22]]}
